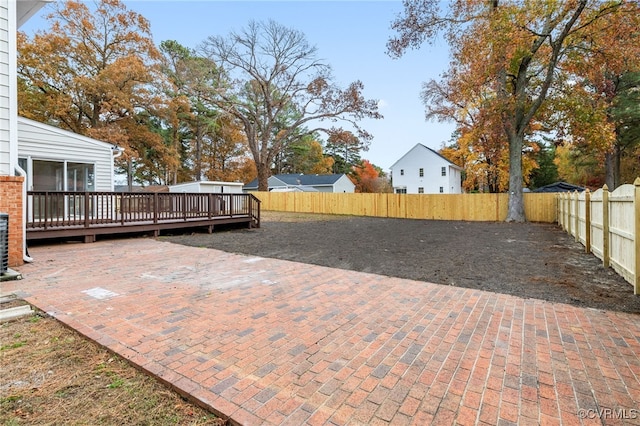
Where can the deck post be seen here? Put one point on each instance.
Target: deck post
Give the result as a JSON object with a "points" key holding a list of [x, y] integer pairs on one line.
{"points": [[86, 209], [46, 210], [122, 208], [258, 202], [155, 207], [184, 206]]}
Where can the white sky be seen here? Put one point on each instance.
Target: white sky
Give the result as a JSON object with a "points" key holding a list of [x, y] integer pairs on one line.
{"points": [[351, 36]]}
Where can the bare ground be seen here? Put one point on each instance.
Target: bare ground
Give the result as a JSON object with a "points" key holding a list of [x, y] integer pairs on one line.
{"points": [[531, 260], [51, 375]]}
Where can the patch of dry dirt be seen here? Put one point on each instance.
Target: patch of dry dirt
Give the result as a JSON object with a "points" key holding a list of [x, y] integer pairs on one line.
{"points": [[530, 260], [51, 375]]}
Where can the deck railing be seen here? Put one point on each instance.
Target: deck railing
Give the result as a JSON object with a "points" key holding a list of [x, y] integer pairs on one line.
{"points": [[64, 209]]}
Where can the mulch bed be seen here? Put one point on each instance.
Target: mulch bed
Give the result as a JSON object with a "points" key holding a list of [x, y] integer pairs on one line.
{"points": [[529, 260]]}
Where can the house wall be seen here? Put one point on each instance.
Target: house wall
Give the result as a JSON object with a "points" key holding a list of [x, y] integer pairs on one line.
{"points": [[431, 181], [455, 181], [41, 142], [344, 184], [8, 105], [11, 186], [11, 202]]}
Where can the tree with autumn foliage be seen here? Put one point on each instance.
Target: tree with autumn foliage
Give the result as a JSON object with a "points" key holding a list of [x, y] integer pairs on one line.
{"points": [[94, 73], [369, 178], [602, 82], [305, 156], [506, 53], [345, 147], [277, 86]]}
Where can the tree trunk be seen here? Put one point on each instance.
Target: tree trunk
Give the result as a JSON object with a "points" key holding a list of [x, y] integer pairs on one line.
{"points": [[612, 168], [263, 176], [515, 212]]}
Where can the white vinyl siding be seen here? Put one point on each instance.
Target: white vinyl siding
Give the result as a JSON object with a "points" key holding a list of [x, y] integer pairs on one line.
{"points": [[425, 169], [38, 141], [343, 184], [207, 187], [8, 156]]}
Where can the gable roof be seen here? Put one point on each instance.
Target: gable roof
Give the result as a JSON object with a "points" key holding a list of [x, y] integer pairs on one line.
{"points": [[419, 145], [559, 187], [47, 128], [294, 179]]}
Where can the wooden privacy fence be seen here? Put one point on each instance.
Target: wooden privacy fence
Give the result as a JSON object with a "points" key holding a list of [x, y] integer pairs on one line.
{"points": [[607, 224], [539, 207]]}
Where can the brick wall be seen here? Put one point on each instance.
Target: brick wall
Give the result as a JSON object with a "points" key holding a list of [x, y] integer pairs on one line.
{"points": [[11, 203]]}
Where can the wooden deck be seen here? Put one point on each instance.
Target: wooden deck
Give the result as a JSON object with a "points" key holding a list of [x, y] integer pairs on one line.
{"points": [[62, 214]]}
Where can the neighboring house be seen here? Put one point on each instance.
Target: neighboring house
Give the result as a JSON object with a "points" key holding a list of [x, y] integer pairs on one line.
{"points": [[306, 183], [59, 160], [423, 171], [559, 187], [208, 187]]}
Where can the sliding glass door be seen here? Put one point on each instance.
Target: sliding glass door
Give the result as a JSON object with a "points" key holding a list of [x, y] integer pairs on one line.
{"points": [[60, 176]]}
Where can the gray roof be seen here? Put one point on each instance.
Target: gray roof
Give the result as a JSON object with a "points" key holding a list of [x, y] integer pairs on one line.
{"points": [[559, 187], [301, 179], [432, 151]]}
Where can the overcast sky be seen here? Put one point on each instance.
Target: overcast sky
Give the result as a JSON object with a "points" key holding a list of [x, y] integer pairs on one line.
{"points": [[350, 36]]}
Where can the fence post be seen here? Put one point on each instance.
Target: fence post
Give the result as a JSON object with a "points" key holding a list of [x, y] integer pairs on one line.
{"points": [[636, 237], [567, 213], [576, 211], [587, 221], [605, 226]]}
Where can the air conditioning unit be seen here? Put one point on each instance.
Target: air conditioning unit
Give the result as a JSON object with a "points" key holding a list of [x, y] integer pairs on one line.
{"points": [[4, 243]]}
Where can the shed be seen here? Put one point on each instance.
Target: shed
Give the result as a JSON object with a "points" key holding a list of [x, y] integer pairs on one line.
{"points": [[208, 187]]}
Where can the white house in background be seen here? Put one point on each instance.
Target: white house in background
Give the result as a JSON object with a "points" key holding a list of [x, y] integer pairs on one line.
{"points": [[59, 160], [423, 171], [208, 187], [306, 183]]}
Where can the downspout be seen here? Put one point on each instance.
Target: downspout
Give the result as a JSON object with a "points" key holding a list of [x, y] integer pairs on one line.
{"points": [[25, 254]]}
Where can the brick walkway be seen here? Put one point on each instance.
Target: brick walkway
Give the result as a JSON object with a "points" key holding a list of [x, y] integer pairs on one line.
{"points": [[265, 341]]}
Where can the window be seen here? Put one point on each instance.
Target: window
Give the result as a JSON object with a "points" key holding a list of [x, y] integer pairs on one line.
{"points": [[421, 173], [401, 172], [444, 171], [401, 190], [420, 190], [441, 190]]}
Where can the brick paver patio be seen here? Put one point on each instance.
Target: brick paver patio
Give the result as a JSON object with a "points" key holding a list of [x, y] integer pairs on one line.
{"points": [[265, 341]]}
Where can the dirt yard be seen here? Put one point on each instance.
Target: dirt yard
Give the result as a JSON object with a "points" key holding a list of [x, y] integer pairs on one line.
{"points": [[51, 375], [529, 260]]}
